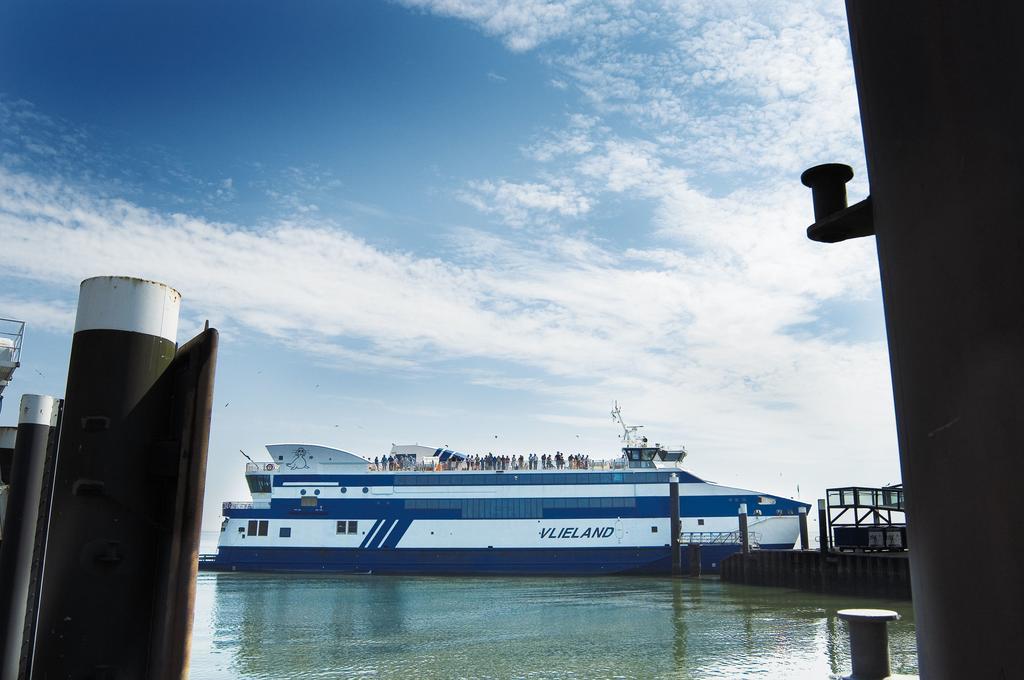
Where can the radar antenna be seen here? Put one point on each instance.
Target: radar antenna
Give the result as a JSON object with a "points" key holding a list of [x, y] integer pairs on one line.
{"points": [[629, 432]]}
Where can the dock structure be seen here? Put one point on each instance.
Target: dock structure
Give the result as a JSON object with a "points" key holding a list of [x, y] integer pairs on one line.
{"points": [[841, 573]]}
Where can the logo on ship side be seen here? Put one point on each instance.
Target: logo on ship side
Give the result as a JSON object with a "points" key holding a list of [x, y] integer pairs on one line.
{"points": [[576, 532]]}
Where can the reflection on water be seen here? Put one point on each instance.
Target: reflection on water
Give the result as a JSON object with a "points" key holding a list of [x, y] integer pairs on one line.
{"points": [[332, 626]]}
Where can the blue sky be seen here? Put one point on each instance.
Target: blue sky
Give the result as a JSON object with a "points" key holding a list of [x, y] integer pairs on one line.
{"points": [[463, 223]]}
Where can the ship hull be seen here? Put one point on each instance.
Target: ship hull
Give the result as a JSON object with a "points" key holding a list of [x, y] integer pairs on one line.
{"points": [[454, 561]]}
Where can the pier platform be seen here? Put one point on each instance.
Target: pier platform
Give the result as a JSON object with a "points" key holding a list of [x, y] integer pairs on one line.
{"points": [[864, 574]]}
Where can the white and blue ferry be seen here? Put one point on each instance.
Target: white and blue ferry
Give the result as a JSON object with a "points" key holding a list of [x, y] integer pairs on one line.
{"points": [[321, 509]]}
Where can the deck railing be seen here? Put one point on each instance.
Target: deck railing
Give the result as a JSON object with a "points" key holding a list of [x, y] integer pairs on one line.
{"points": [[718, 537]]}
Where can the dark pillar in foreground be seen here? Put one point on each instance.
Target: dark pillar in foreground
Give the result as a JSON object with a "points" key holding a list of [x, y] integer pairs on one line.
{"points": [[938, 84], [36, 419], [805, 541], [675, 525], [120, 562]]}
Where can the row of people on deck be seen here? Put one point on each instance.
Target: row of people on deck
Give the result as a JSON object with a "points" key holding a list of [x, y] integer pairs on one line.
{"points": [[558, 461]]}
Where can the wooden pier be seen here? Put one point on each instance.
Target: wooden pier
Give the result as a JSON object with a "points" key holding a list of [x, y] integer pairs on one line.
{"points": [[863, 574]]}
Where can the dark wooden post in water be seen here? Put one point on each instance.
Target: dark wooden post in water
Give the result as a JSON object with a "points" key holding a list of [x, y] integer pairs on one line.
{"points": [[941, 117], [675, 526], [823, 542], [744, 534], [36, 420], [693, 553], [805, 541], [8, 435], [120, 563]]}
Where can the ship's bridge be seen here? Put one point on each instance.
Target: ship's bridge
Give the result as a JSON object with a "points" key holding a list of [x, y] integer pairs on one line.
{"points": [[652, 456]]}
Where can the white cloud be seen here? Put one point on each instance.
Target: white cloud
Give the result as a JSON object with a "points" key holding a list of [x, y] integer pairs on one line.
{"points": [[55, 316], [524, 24], [519, 203], [694, 340]]}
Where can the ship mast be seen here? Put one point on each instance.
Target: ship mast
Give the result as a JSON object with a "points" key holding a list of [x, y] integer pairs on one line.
{"points": [[629, 432]]}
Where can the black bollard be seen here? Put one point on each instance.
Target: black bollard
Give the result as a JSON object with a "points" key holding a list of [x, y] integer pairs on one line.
{"points": [[36, 420], [674, 523], [869, 642], [744, 533], [97, 606], [805, 541]]}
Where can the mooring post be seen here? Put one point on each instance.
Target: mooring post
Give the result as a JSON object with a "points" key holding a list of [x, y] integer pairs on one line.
{"points": [[805, 541], [693, 551], [869, 642], [744, 534], [36, 419], [822, 527], [8, 435], [96, 604], [675, 525]]}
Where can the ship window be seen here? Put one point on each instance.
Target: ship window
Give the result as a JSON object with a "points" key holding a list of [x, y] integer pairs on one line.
{"points": [[263, 527], [258, 483], [285, 532], [309, 501], [353, 527], [342, 526], [654, 530], [253, 527], [700, 522]]}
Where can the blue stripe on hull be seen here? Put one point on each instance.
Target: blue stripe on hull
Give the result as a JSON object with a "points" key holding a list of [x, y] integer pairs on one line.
{"points": [[490, 561]]}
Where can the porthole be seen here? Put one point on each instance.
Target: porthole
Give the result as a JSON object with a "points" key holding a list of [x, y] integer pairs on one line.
{"points": [[344, 489], [316, 492], [366, 490], [302, 493]]}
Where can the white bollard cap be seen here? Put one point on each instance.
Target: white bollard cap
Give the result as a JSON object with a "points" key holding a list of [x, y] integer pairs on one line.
{"points": [[122, 303], [37, 409]]}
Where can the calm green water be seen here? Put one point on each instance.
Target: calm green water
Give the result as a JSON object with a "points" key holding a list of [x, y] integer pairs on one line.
{"points": [[329, 626]]}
